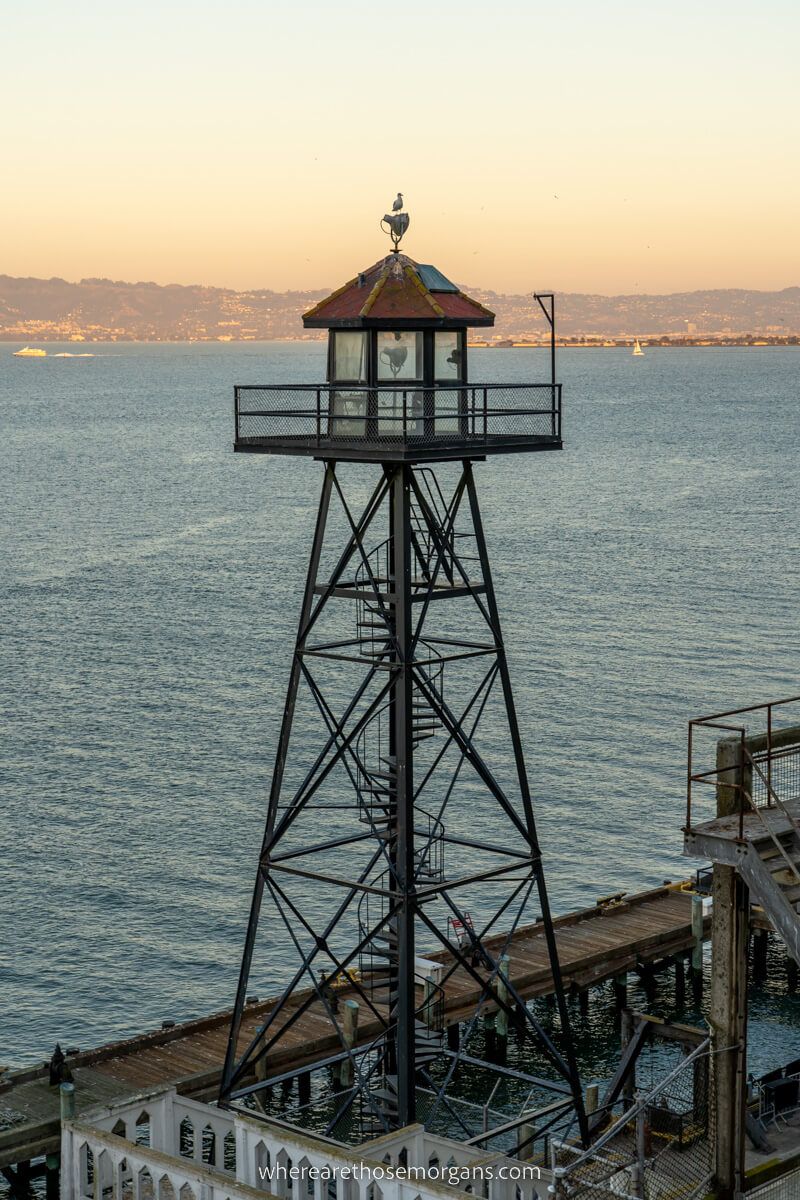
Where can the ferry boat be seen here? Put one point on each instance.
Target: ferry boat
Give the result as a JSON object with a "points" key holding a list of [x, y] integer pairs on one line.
{"points": [[637, 349], [30, 352]]}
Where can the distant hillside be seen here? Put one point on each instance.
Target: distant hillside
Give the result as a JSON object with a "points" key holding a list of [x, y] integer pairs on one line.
{"points": [[105, 309], [101, 309]]}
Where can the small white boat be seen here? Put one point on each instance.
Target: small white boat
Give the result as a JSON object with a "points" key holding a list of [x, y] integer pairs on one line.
{"points": [[638, 352], [30, 352]]}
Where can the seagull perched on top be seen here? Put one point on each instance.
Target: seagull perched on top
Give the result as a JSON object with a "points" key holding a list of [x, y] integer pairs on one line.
{"points": [[398, 204]]}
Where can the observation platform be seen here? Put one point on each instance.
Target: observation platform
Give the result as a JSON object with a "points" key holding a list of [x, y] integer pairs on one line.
{"points": [[389, 423]]}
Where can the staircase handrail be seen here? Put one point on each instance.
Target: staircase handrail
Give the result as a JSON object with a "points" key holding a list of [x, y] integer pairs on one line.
{"points": [[365, 929], [434, 834], [432, 1003], [426, 475], [373, 576]]}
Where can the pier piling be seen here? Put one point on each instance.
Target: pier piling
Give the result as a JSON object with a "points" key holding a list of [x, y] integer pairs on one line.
{"points": [[680, 982], [697, 950], [349, 1035], [501, 991], [525, 1142], [490, 1034], [760, 946], [52, 1174], [728, 1001], [66, 1093], [626, 1033]]}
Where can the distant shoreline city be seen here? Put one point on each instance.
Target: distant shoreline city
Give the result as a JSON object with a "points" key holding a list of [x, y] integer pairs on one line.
{"points": [[594, 343], [103, 310], [578, 343]]}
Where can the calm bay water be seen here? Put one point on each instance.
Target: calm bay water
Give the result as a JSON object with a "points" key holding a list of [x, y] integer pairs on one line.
{"points": [[148, 605]]}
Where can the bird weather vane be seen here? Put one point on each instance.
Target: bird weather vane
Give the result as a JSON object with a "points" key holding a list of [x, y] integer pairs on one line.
{"points": [[397, 222]]}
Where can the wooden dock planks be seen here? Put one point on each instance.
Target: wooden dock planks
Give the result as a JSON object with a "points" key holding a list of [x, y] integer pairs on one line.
{"points": [[594, 944]]}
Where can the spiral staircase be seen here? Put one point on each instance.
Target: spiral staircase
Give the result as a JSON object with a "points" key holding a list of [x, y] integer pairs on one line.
{"points": [[376, 789]]}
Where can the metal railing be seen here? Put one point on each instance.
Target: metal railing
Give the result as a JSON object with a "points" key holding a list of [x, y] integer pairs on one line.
{"points": [[767, 771], [783, 1187], [391, 414], [657, 1144]]}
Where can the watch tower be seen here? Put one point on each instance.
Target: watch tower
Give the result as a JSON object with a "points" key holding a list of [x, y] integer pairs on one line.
{"points": [[400, 851]]}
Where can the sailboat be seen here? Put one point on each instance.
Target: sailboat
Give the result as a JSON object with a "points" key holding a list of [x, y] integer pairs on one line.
{"points": [[637, 349]]}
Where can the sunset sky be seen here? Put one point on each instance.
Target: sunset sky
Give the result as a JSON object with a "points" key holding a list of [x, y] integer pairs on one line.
{"points": [[613, 147]]}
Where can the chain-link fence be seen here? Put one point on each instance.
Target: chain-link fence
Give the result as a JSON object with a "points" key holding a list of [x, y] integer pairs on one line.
{"points": [[787, 1187], [658, 1148], [777, 772]]}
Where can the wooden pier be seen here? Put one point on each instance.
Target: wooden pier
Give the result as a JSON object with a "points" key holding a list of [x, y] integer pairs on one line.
{"points": [[619, 934]]}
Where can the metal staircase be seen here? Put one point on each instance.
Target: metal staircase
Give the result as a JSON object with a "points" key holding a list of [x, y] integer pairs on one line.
{"points": [[376, 789], [781, 860], [771, 869], [379, 974], [430, 532], [429, 1042], [377, 783], [761, 839]]}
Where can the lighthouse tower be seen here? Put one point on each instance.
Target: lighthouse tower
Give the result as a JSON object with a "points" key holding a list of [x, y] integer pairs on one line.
{"points": [[400, 852]]}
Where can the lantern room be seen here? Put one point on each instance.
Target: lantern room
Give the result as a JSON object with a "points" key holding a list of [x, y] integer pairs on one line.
{"points": [[398, 322], [397, 384]]}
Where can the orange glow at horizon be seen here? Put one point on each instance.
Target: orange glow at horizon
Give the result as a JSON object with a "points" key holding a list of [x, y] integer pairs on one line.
{"points": [[631, 150]]}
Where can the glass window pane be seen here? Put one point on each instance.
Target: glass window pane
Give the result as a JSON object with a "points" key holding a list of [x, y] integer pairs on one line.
{"points": [[399, 355], [448, 360], [350, 356]]}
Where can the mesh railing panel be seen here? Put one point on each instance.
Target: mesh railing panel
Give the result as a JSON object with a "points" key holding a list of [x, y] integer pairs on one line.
{"points": [[782, 770], [394, 415], [787, 1187], [662, 1148]]}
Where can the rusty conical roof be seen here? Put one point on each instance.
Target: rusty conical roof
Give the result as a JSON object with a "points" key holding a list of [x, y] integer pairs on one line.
{"points": [[396, 293]]}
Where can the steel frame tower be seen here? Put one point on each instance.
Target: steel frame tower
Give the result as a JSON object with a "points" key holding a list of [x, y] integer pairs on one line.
{"points": [[404, 810]]}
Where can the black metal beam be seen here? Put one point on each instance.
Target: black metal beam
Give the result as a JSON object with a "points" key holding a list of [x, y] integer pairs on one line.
{"points": [[524, 787], [402, 721], [277, 776]]}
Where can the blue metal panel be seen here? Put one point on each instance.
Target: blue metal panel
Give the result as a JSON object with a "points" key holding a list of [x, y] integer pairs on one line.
{"points": [[434, 280]]}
